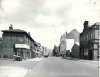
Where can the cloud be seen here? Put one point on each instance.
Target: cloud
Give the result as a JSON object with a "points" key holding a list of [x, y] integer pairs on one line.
{"points": [[1, 9], [70, 12], [1, 4], [48, 18], [21, 11]]}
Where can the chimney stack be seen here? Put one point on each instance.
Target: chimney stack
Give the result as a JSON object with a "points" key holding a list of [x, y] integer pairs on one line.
{"points": [[11, 27], [86, 23], [29, 33]]}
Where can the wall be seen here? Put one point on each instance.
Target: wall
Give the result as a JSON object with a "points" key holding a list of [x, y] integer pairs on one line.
{"points": [[9, 40], [75, 51]]}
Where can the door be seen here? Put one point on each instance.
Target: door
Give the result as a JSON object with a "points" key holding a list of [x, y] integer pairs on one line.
{"points": [[90, 55], [20, 52]]}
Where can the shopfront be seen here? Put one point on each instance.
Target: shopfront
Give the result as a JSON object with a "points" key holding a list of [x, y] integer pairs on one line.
{"points": [[22, 50]]}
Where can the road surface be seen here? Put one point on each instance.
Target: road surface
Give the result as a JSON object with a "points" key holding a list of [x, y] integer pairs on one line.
{"points": [[49, 67], [58, 67]]}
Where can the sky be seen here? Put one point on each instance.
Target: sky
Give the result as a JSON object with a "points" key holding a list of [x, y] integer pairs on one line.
{"points": [[47, 20]]}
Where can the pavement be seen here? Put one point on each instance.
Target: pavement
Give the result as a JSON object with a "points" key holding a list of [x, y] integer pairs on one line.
{"points": [[91, 62], [10, 68], [10, 71], [49, 67]]}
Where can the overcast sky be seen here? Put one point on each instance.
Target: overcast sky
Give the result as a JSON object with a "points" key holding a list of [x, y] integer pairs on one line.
{"points": [[46, 20]]}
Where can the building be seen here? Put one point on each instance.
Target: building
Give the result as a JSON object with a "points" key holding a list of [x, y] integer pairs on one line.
{"points": [[0, 44], [56, 51], [0, 40], [75, 51], [90, 41], [41, 51], [18, 42], [62, 44], [67, 42]]}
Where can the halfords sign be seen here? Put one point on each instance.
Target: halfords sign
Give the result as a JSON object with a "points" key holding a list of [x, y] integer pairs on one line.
{"points": [[22, 46]]}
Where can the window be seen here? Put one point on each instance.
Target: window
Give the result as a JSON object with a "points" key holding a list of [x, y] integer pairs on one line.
{"points": [[20, 39], [84, 38], [91, 35], [96, 34], [87, 37], [13, 38], [81, 39], [26, 39], [95, 46]]}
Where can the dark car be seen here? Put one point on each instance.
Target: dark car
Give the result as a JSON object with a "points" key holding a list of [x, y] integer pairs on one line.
{"points": [[18, 58], [45, 56]]}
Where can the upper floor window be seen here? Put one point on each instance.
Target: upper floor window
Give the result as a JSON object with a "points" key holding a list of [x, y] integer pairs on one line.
{"points": [[91, 35], [87, 37], [97, 34], [20, 39], [84, 39]]}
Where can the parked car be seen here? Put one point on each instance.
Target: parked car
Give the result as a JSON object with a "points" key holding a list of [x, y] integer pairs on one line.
{"points": [[45, 56], [17, 58]]}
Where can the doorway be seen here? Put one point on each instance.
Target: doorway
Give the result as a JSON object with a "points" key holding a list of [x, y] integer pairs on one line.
{"points": [[90, 55]]}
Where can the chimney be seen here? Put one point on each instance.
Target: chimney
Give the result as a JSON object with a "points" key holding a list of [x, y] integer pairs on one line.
{"points": [[29, 33], [11, 27], [86, 23]]}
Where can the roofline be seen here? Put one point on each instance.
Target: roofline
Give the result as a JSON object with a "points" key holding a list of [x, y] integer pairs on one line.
{"points": [[21, 32], [14, 31]]}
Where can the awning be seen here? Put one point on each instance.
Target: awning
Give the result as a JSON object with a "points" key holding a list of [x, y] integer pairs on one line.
{"points": [[22, 46]]}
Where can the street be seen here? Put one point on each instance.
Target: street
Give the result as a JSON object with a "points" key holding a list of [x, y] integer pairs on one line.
{"points": [[58, 67], [53, 67]]}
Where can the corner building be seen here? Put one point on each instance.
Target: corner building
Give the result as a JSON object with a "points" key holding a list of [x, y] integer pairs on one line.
{"points": [[18, 42], [90, 41]]}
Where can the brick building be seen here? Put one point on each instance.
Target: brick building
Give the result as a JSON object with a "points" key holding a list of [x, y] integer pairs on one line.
{"points": [[90, 41], [18, 42]]}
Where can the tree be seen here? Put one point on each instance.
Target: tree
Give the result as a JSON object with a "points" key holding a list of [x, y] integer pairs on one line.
{"points": [[54, 50]]}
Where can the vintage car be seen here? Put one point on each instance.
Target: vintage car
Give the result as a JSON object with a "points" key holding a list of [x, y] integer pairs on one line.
{"points": [[17, 58]]}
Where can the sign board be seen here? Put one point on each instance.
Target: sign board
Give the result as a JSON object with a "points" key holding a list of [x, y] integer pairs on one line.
{"points": [[22, 46]]}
